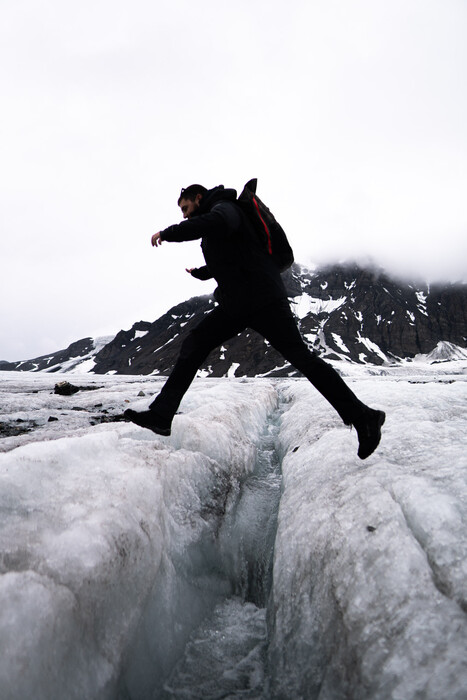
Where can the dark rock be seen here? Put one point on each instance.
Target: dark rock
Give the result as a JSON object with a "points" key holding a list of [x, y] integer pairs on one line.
{"points": [[96, 420], [11, 430], [65, 389]]}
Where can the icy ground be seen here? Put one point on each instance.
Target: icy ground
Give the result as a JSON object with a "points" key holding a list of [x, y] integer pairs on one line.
{"points": [[135, 566]]}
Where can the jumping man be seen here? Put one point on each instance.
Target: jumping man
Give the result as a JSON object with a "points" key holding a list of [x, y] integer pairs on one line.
{"points": [[250, 294]]}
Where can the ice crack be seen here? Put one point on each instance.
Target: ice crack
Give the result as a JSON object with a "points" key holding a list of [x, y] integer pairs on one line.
{"points": [[226, 653]]}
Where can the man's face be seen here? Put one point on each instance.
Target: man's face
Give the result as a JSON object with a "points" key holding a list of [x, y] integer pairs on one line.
{"points": [[189, 206]]}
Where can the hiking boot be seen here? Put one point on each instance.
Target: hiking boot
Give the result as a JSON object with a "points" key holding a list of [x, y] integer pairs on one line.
{"points": [[150, 420], [368, 428]]}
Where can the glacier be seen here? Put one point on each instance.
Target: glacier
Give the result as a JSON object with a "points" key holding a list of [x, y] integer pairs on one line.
{"points": [[251, 554]]}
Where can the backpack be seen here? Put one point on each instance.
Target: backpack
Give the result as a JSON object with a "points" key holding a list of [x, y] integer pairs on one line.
{"points": [[269, 232]]}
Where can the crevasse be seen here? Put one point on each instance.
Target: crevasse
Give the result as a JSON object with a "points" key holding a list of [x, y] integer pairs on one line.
{"points": [[205, 632]]}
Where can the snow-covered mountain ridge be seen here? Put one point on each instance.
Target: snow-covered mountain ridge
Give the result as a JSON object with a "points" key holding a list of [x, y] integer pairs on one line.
{"points": [[345, 312]]}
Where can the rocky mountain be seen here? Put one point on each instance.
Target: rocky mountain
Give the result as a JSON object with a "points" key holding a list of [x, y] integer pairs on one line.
{"points": [[344, 312]]}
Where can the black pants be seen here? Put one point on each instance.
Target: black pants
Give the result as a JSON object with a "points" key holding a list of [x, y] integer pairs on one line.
{"points": [[277, 324]]}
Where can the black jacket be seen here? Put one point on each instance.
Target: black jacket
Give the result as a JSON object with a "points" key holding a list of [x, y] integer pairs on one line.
{"points": [[246, 275]]}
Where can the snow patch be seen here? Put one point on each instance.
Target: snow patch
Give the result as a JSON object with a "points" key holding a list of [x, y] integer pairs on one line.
{"points": [[371, 346], [339, 342], [306, 304], [232, 369]]}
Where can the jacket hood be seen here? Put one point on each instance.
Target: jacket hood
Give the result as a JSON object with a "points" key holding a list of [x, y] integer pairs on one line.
{"points": [[212, 197]]}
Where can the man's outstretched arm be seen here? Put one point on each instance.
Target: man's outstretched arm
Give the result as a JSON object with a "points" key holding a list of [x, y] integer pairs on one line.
{"points": [[223, 219]]}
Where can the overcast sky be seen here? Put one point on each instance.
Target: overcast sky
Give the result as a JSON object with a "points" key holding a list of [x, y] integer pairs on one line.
{"points": [[352, 114]]}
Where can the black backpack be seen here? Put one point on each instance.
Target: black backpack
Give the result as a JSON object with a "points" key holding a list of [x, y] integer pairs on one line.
{"points": [[270, 233]]}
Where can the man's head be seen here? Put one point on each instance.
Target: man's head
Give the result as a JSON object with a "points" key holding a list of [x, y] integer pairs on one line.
{"points": [[190, 198]]}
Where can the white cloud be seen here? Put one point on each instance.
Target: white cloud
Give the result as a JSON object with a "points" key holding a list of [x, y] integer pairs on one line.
{"points": [[352, 116]]}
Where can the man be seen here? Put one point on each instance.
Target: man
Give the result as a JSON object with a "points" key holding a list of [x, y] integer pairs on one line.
{"points": [[251, 294]]}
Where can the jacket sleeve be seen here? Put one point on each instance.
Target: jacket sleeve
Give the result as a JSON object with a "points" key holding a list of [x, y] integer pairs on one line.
{"points": [[223, 219], [201, 273]]}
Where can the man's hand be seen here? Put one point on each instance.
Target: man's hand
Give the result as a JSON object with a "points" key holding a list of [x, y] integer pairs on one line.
{"points": [[189, 269], [156, 239]]}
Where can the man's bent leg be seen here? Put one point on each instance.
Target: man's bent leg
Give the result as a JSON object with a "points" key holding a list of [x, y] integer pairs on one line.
{"points": [[214, 329], [277, 324]]}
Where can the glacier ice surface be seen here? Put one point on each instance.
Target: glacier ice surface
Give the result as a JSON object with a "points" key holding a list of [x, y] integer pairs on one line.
{"points": [[120, 549]]}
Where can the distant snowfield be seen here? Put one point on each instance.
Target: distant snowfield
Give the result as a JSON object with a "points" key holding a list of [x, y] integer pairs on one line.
{"points": [[122, 552]]}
